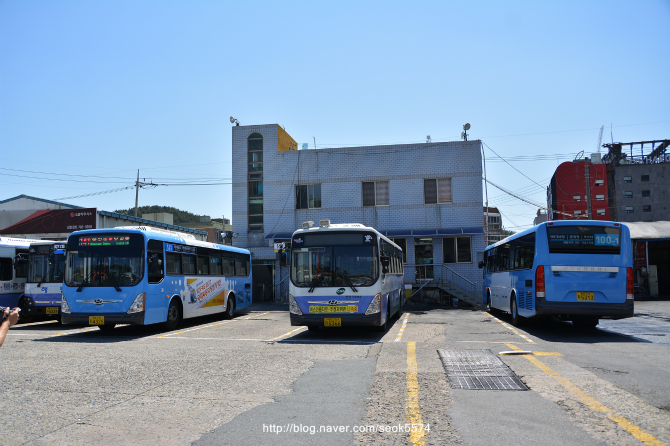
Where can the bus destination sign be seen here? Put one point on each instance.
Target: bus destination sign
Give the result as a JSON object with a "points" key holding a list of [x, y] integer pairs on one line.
{"points": [[104, 241]]}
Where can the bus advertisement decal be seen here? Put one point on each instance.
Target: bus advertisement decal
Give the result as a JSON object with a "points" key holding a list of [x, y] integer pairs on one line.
{"points": [[206, 292]]}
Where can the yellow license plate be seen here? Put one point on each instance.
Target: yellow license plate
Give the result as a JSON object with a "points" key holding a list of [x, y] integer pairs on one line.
{"points": [[96, 320], [347, 309], [582, 295], [52, 310], [332, 322]]}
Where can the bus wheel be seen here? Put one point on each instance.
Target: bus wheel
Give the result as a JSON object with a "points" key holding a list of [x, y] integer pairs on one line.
{"points": [[383, 326], [108, 327], [588, 323], [230, 308], [488, 302], [173, 315], [23, 314], [516, 319]]}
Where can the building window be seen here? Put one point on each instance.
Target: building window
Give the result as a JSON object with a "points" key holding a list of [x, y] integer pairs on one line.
{"points": [[457, 250], [578, 212], [577, 198], [646, 208], [600, 212], [600, 182], [629, 209], [646, 193], [402, 242], [644, 178], [627, 179], [628, 194], [375, 193], [437, 191], [255, 171], [600, 197], [308, 196]]}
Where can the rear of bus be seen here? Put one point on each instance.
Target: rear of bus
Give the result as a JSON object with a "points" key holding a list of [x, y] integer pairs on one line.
{"points": [[46, 267], [335, 277], [584, 271]]}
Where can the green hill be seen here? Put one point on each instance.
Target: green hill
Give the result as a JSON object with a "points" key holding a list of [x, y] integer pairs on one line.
{"points": [[178, 216]]}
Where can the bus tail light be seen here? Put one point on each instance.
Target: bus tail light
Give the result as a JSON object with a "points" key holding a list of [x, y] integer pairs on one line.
{"points": [[630, 285], [539, 281]]}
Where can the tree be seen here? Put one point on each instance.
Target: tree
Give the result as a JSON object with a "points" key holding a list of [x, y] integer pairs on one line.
{"points": [[178, 216]]}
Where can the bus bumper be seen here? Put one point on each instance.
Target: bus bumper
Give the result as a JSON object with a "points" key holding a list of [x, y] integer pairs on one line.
{"points": [[110, 318], [347, 320], [599, 310]]}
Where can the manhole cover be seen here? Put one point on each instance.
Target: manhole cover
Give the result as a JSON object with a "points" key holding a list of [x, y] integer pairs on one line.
{"points": [[478, 370]]}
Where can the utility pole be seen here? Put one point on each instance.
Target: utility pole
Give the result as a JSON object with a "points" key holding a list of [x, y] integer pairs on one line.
{"points": [[137, 190], [588, 188]]}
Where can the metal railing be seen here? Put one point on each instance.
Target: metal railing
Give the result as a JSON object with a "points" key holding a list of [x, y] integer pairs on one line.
{"points": [[280, 298], [448, 280]]}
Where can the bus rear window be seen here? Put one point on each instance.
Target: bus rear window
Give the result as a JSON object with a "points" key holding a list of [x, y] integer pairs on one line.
{"points": [[584, 239]]}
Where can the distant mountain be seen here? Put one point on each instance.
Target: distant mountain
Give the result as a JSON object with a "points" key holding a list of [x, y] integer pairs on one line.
{"points": [[178, 216]]}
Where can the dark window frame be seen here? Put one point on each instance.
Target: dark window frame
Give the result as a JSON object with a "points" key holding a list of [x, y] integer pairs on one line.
{"points": [[436, 186], [374, 183]]}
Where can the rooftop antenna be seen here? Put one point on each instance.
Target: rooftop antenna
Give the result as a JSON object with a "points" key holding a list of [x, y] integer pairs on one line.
{"points": [[234, 121], [600, 138], [464, 134]]}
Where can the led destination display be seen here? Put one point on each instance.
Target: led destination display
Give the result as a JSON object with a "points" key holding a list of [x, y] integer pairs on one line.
{"points": [[105, 241]]}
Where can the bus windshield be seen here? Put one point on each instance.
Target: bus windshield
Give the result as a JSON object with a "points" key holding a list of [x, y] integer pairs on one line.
{"points": [[40, 270], [576, 239], [104, 261], [338, 266]]}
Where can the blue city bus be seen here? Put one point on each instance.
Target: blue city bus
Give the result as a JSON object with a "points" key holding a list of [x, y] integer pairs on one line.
{"points": [[46, 267], [143, 275], [569, 270], [344, 275], [13, 269]]}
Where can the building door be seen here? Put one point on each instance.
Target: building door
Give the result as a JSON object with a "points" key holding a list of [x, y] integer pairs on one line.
{"points": [[263, 272], [423, 255]]}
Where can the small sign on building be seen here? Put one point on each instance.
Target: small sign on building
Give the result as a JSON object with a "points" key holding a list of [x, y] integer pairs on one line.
{"points": [[280, 246]]}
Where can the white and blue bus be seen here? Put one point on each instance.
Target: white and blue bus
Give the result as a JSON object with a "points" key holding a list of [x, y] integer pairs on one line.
{"points": [[13, 269], [46, 267], [343, 275], [570, 270], [144, 275]]}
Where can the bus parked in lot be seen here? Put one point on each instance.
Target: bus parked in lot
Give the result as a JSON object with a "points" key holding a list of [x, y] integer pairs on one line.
{"points": [[46, 266], [13, 269], [571, 270], [143, 275], [344, 274]]}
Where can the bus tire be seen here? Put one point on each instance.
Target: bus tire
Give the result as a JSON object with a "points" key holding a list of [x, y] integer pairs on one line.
{"points": [[383, 326], [107, 328], [230, 307], [23, 314], [517, 320], [488, 302], [174, 314]]}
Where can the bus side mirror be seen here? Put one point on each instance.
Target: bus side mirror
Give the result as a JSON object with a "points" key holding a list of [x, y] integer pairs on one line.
{"points": [[481, 264], [386, 261]]}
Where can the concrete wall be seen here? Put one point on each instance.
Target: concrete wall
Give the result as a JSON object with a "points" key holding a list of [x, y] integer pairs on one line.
{"points": [[658, 185]]}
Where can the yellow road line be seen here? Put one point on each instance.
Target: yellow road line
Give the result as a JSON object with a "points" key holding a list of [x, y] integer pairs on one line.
{"points": [[35, 323], [402, 329], [412, 406], [286, 334], [631, 428], [211, 325], [514, 330]]}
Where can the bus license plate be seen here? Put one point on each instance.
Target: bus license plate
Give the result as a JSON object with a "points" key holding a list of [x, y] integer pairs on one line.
{"points": [[96, 320], [346, 309], [52, 310], [332, 322], [582, 295]]}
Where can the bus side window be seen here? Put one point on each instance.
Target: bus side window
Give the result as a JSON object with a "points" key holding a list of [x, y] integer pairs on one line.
{"points": [[188, 264], [5, 268], [21, 264], [228, 265], [155, 261], [215, 265], [173, 263], [203, 265]]}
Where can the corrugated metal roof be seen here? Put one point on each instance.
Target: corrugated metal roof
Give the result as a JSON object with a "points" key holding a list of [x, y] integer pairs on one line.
{"points": [[651, 230]]}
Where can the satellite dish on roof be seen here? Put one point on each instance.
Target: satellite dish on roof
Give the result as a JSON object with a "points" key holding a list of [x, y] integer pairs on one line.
{"points": [[466, 126]]}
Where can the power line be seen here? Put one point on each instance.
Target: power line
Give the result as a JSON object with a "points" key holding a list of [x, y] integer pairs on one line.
{"points": [[541, 187]]}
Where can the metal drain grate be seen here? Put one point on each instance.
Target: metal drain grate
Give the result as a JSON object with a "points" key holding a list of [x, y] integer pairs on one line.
{"points": [[478, 370]]}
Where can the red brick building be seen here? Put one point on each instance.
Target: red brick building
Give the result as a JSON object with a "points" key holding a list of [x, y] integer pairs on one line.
{"points": [[567, 194]]}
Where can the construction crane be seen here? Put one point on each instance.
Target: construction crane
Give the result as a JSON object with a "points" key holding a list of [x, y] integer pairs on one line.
{"points": [[600, 138]]}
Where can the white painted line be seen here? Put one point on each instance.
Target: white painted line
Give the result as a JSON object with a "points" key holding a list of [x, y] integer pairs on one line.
{"points": [[35, 323], [209, 326], [402, 329]]}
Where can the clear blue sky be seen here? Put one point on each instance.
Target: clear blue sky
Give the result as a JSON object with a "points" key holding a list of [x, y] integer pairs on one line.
{"points": [[91, 91]]}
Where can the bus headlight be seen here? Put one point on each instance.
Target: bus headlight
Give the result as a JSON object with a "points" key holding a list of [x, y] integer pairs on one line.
{"points": [[376, 305], [64, 307], [138, 304], [293, 306]]}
